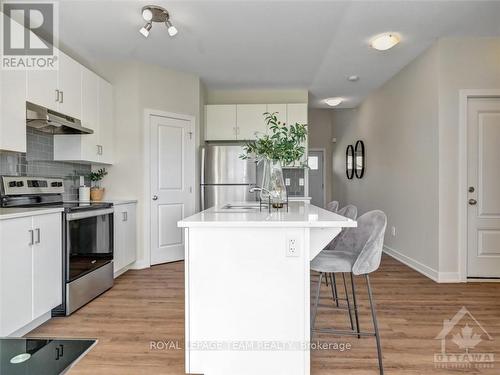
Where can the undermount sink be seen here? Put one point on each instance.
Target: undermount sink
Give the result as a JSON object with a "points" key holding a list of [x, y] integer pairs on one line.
{"points": [[250, 206]]}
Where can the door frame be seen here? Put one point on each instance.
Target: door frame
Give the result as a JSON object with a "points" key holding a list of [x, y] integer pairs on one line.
{"points": [[146, 214], [464, 96], [323, 151]]}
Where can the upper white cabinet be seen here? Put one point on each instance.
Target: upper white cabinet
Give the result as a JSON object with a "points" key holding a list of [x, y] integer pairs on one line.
{"points": [[250, 120], [42, 88], [70, 86], [13, 110], [244, 121], [96, 114], [30, 269], [220, 122]]}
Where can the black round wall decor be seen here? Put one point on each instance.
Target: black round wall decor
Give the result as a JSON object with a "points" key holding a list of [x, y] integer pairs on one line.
{"points": [[349, 162], [359, 159]]}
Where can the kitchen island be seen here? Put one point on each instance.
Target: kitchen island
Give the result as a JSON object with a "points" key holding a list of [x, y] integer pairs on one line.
{"points": [[248, 289]]}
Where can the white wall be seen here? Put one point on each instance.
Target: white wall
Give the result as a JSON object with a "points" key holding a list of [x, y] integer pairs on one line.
{"points": [[399, 126], [465, 63], [320, 127], [256, 96], [138, 86]]}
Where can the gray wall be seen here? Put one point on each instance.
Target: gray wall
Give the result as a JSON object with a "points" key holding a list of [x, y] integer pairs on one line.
{"points": [[399, 126], [38, 161]]}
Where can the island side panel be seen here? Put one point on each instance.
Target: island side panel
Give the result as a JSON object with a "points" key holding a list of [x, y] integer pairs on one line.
{"points": [[244, 290]]}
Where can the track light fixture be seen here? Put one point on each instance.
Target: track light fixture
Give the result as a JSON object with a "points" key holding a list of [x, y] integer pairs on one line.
{"points": [[154, 13]]}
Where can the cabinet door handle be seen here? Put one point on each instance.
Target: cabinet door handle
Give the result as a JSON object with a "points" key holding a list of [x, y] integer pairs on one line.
{"points": [[100, 146], [57, 95], [62, 97], [32, 237], [37, 235]]}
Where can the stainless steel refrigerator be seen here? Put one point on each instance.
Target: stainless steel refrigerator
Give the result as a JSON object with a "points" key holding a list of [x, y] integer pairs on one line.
{"points": [[225, 177]]}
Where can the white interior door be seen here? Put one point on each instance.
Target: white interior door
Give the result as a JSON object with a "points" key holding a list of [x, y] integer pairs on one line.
{"points": [[316, 178], [483, 152], [172, 185]]}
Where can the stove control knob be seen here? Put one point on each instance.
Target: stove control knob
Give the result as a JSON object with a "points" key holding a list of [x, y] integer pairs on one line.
{"points": [[59, 184], [12, 184], [19, 184], [53, 184]]}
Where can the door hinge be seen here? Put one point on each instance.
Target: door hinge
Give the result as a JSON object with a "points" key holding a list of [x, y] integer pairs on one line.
{"points": [[190, 135], [190, 189]]}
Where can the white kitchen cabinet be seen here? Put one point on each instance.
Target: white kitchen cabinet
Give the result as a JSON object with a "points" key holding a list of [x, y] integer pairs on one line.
{"points": [[220, 122], [16, 277], [125, 226], [30, 269], [250, 121], [47, 263], [70, 86], [280, 109], [42, 88], [13, 110], [97, 114], [296, 113], [106, 122]]}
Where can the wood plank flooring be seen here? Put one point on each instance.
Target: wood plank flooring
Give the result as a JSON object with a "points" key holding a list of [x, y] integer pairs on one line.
{"points": [[148, 305]]}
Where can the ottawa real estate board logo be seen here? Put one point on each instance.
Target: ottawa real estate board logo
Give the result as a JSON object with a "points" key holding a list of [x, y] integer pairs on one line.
{"points": [[461, 339], [29, 32]]}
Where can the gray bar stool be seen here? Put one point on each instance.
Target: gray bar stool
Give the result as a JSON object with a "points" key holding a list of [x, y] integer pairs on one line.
{"points": [[332, 206], [358, 252]]}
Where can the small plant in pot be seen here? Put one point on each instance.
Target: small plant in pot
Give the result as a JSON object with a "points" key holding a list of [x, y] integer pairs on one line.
{"points": [[96, 191]]}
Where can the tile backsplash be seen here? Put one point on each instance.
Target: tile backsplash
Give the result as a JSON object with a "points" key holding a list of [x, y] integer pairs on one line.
{"points": [[38, 161], [294, 175]]}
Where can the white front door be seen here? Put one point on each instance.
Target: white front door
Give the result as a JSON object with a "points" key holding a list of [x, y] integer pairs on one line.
{"points": [[172, 184], [483, 127]]}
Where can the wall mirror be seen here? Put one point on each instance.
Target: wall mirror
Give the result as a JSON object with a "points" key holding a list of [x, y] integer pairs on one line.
{"points": [[349, 162], [359, 157]]}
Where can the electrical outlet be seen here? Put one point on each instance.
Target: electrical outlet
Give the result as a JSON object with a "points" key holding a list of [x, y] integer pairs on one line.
{"points": [[292, 247], [301, 182], [393, 231], [287, 182]]}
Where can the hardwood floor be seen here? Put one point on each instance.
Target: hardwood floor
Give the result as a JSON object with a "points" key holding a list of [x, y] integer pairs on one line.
{"points": [[148, 305]]}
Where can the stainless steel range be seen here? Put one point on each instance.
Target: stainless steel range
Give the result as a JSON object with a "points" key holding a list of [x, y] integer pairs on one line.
{"points": [[87, 237]]}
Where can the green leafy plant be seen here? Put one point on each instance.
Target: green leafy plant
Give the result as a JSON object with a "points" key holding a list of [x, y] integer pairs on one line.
{"points": [[285, 143], [96, 177]]}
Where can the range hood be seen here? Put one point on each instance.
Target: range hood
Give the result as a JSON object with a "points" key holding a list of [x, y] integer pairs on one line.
{"points": [[49, 121]]}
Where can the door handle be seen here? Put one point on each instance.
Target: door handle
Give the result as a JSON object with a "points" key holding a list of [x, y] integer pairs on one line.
{"points": [[37, 235], [32, 237], [472, 202], [57, 95], [62, 97], [155, 197]]}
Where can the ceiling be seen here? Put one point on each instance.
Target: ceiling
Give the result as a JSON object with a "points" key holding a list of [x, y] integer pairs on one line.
{"points": [[310, 45]]}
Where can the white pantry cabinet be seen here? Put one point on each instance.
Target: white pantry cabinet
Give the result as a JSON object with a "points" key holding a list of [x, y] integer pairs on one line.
{"points": [[243, 121], [13, 110], [30, 269], [125, 224]]}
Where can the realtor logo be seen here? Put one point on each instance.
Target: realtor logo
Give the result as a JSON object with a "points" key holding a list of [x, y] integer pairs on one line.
{"points": [[29, 32], [466, 333]]}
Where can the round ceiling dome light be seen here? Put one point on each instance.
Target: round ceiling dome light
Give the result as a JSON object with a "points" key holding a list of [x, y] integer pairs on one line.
{"points": [[334, 102], [385, 42], [353, 78], [147, 14]]}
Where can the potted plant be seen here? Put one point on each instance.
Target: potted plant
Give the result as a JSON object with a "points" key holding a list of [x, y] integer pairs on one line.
{"points": [[96, 191], [283, 147]]}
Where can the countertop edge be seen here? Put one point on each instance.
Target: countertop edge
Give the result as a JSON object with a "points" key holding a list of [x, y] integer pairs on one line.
{"points": [[29, 212]]}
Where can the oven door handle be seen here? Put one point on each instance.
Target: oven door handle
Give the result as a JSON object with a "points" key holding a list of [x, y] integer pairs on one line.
{"points": [[90, 213]]}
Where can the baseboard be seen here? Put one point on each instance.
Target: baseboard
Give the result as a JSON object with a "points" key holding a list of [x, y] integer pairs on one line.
{"points": [[412, 263], [32, 325], [140, 264], [450, 277]]}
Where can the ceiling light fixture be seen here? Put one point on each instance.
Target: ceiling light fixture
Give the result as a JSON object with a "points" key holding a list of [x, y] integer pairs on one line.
{"points": [[353, 78], [384, 42], [155, 13], [333, 102]]}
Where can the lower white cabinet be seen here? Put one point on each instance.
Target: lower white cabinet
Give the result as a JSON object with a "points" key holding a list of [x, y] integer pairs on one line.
{"points": [[125, 224], [30, 269]]}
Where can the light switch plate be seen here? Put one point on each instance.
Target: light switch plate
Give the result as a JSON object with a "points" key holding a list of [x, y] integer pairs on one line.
{"points": [[287, 181], [301, 182]]}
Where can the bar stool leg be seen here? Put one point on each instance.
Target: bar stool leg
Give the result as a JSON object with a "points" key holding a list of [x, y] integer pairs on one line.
{"points": [[355, 304], [315, 308], [334, 282], [348, 302], [375, 325]]}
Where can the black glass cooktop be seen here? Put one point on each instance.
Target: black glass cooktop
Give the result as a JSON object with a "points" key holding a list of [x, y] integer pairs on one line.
{"points": [[25, 356]]}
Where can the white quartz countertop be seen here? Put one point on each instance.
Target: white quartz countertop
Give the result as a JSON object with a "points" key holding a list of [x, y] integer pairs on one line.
{"points": [[115, 202], [299, 215], [14, 212]]}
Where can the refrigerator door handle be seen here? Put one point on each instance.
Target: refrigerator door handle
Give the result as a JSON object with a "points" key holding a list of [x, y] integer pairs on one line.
{"points": [[202, 169], [202, 197]]}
